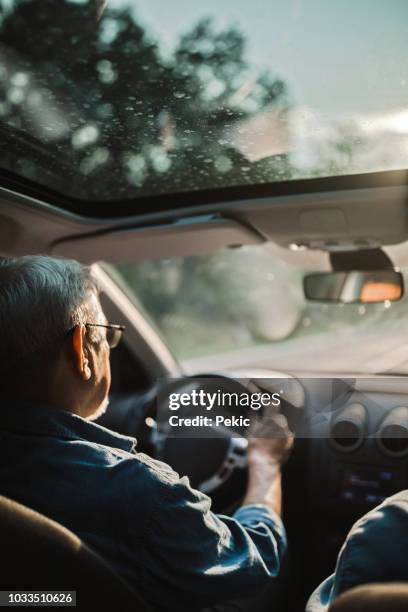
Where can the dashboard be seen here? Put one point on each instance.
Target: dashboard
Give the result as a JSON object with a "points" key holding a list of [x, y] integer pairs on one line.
{"points": [[358, 430], [355, 431], [354, 441]]}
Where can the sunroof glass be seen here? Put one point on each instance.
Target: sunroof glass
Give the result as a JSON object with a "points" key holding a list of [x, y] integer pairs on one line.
{"points": [[128, 99]]}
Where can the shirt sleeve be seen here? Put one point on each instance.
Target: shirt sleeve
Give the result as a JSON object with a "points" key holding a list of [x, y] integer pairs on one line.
{"points": [[209, 558], [374, 551]]}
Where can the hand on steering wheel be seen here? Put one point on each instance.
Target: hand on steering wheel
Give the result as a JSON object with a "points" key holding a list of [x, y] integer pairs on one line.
{"points": [[270, 439]]}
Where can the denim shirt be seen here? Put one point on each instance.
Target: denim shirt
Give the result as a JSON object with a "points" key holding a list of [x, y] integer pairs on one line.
{"points": [[156, 531], [374, 551]]}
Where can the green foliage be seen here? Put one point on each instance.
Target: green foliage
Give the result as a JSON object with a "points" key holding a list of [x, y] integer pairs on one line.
{"points": [[103, 114]]}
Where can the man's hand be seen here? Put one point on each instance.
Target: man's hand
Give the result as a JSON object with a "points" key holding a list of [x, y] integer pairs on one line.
{"points": [[270, 443]]}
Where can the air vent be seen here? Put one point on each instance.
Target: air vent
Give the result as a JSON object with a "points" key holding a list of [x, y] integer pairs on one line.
{"points": [[393, 434], [348, 428]]}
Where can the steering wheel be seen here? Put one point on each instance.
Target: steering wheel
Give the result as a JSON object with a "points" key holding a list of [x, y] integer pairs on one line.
{"points": [[214, 457]]}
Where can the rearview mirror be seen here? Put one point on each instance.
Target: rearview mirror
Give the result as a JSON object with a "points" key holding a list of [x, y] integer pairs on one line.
{"points": [[354, 286]]}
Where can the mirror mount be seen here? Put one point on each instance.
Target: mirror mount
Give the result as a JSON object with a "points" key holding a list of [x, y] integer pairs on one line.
{"points": [[364, 259]]}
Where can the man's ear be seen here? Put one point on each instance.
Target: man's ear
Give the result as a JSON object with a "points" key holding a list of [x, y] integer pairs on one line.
{"points": [[81, 360]]}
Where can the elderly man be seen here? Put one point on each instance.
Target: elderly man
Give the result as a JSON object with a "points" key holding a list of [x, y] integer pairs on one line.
{"points": [[157, 531]]}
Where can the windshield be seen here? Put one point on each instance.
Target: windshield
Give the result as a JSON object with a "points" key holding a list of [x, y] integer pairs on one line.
{"points": [[245, 307], [118, 100]]}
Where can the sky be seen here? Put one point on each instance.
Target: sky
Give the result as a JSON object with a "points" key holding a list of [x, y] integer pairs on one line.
{"points": [[337, 56]]}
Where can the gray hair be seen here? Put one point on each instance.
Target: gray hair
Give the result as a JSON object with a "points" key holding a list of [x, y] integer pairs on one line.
{"points": [[41, 299]]}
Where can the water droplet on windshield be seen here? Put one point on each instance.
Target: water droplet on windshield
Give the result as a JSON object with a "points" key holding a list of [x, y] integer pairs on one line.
{"points": [[85, 136], [223, 164]]}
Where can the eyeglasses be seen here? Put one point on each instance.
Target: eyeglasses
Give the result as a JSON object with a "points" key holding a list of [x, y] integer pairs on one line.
{"points": [[114, 333]]}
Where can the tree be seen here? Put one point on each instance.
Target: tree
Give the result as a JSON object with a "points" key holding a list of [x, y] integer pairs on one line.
{"points": [[111, 118]]}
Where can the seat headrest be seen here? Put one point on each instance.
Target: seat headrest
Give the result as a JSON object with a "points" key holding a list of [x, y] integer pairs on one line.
{"points": [[39, 554], [389, 597]]}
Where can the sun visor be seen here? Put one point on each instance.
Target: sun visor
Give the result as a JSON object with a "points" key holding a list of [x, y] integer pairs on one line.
{"points": [[342, 220], [192, 236]]}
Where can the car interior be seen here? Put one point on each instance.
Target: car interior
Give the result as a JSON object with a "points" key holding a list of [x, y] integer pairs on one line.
{"points": [[239, 235]]}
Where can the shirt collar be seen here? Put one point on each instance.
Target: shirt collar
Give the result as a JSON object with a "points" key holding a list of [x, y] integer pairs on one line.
{"points": [[49, 421]]}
